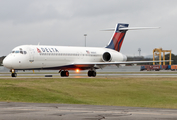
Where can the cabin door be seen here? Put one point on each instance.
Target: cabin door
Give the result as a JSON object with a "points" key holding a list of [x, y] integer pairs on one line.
{"points": [[31, 55]]}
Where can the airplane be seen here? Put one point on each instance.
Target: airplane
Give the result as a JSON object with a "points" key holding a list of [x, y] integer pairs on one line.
{"points": [[65, 58]]}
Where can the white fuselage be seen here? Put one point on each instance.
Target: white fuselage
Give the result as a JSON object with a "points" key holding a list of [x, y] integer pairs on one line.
{"points": [[36, 57]]}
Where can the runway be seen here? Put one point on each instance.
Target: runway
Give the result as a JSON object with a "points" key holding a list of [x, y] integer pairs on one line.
{"points": [[84, 75], [36, 111]]}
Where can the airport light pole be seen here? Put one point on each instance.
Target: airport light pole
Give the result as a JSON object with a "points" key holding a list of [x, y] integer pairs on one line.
{"points": [[139, 51], [85, 39]]}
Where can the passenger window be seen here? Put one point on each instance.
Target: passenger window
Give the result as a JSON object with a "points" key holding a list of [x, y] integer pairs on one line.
{"points": [[21, 52]]}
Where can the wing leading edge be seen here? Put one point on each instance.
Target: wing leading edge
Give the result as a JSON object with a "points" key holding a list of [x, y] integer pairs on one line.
{"points": [[116, 63]]}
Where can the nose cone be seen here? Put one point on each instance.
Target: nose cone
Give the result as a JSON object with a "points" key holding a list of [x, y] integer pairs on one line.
{"points": [[7, 62]]}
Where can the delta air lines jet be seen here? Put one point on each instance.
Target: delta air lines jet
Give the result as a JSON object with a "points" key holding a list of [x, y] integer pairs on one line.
{"points": [[64, 58]]}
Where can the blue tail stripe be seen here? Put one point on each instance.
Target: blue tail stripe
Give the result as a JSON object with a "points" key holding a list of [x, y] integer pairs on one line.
{"points": [[111, 45]]}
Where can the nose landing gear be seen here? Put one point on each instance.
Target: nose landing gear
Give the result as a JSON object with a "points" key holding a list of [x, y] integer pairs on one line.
{"points": [[14, 74]]}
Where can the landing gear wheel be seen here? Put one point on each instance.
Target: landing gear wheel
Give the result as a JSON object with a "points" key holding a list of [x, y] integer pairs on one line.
{"points": [[91, 73], [94, 74], [64, 73], [14, 74]]}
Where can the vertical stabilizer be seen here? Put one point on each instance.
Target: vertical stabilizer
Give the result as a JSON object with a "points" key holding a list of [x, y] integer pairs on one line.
{"points": [[118, 37]]}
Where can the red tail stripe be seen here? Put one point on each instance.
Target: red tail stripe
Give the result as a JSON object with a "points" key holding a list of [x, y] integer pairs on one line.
{"points": [[116, 39]]}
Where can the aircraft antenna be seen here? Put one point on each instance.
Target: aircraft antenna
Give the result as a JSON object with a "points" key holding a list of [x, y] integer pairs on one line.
{"points": [[85, 39]]}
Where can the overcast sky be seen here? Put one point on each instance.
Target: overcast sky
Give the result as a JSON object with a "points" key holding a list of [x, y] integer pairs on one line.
{"points": [[64, 23]]}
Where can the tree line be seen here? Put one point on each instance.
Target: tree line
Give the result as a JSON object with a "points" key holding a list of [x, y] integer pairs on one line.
{"points": [[1, 59], [142, 58]]}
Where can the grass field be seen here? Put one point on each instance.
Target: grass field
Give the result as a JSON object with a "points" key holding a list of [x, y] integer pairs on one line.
{"points": [[158, 92]]}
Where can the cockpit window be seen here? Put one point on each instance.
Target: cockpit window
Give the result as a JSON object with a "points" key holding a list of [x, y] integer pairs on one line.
{"points": [[25, 52], [21, 52], [16, 52]]}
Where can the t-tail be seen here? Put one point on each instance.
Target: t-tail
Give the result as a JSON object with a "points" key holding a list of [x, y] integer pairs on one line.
{"points": [[118, 37]]}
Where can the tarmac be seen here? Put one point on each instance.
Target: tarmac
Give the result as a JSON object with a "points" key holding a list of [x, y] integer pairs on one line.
{"points": [[39, 111]]}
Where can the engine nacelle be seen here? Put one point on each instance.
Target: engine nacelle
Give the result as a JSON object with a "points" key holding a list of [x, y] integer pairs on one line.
{"points": [[113, 56], [106, 57]]}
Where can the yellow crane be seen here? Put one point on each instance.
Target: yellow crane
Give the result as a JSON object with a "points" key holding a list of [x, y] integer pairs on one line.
{"points": [[157, 52]]}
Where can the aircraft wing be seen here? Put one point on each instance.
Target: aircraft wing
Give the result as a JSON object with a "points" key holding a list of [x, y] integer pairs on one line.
{"points": [[116, 63]]}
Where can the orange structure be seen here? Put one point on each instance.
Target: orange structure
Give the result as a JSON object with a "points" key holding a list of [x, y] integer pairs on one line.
{"points": [[157, 52]]}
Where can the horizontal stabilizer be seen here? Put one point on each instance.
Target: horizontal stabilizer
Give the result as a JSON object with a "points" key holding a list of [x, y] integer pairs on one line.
{"points": [[109, 29], [131, 28], [138, 28]]}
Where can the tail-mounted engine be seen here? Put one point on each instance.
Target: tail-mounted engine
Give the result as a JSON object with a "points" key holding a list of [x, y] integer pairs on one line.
{"points": [[113, 57], [106, 57]]}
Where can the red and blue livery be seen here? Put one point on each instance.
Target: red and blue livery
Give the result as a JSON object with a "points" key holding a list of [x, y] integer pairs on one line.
{"points": [[118, 37]]}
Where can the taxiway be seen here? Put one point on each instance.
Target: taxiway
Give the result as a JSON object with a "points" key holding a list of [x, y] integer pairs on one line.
{"points": [[36, 111]]}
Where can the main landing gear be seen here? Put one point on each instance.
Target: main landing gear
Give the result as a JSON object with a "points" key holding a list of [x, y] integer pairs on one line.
{"points": [[64, 73], [91, 73]]}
